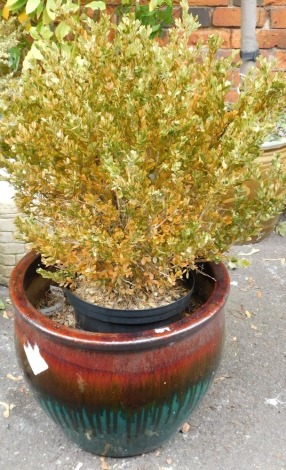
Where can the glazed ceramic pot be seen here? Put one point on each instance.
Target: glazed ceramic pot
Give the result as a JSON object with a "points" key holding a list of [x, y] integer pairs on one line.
{"points": [[118, 394]]}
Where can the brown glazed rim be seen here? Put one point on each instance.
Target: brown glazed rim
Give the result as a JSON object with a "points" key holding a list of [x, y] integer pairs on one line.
{"points": [[115, 341]]}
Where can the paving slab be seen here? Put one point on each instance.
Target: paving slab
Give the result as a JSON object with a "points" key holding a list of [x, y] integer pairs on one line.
{"points": [[240, 424]]}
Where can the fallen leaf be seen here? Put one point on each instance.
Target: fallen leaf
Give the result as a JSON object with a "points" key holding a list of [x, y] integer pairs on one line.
{"points": [[13, 377], [79, 465], [104, 464], [254, 327], [232, 264], [247, 314], [281, 229], [5, 315], [251, 252], [251, 281], [8, 408], [185, 428], [259, 294], [220, 379], [2, 306]]}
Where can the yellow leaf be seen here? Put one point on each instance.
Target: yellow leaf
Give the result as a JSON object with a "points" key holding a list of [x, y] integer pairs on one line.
{"points": [[247, 314], [5, 13], [23, 17], [6, 412], [13, 377]]}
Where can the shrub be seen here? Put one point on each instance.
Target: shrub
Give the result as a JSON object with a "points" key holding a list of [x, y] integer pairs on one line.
{"points": [[10, 40], [122, 153]]}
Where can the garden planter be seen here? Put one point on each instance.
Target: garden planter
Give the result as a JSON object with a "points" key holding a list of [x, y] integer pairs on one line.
{"points": [[118, 394]]}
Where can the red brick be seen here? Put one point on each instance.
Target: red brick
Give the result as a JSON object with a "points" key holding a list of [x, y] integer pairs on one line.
{"points": [[226, 53], [281, 58], [235, 78], [271, 38], [232, 96], [278, 17], [267, 38], [226, 17], [232, 17], [261, 17], [208, 3], [235, 38], [203, 34], [274, 2]]}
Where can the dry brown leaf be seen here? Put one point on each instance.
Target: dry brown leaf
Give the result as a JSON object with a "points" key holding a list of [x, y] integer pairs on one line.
{"points": [[8, 408], [220, 379], [185, 428], [14, 377], [104, 464], [259, 294]]}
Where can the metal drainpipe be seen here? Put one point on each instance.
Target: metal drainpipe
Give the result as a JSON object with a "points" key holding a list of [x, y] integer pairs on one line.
{"points": [[249, 50]]}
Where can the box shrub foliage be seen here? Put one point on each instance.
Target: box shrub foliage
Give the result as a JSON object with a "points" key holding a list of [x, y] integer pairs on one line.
{"points": [[123, 152]]}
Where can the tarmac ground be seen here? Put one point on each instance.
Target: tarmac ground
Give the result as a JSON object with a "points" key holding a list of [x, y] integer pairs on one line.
{"points": [[240, 424]]}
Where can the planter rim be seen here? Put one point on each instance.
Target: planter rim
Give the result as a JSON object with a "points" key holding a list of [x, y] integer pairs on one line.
{"points": [[273, 144], [115, 341]]}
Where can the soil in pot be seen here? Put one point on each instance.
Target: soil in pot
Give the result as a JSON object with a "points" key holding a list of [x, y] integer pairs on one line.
{"points": [[56, 305]]}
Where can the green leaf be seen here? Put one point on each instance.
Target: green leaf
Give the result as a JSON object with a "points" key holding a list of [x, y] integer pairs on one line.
{"points": [[50, 11], [62, 30], [96, 5], [40, 10], [47, 19], [32, 5], [11, 3], [14, 57], [16, 5], [2, 306], [281, 229]]}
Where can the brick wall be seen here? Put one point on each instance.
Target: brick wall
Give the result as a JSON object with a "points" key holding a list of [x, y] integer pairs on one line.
{"points": [[223, 17], [11, 249]]}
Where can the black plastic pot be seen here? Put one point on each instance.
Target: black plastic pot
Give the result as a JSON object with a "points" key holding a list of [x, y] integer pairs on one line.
{"points": [[91, 317]]}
